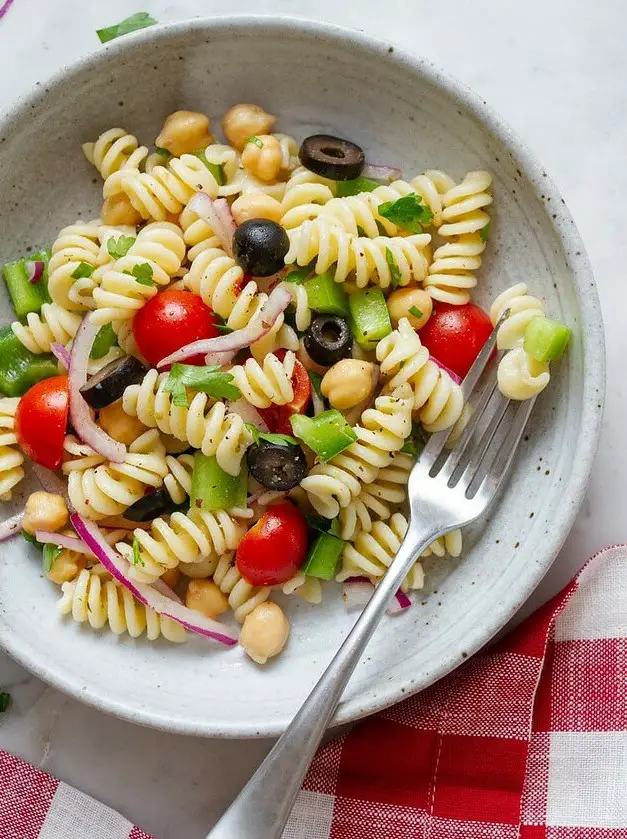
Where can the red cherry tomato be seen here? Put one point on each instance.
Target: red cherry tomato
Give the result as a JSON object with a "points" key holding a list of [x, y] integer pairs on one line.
{"points": [[273, 549], [277, 417], [455, 335], [41, 421], [171, 320]]}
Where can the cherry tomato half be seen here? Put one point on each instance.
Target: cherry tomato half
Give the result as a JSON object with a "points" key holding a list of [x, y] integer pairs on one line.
{"points": [[171, 320], [455, 335], [277, 417], [41, 421], [273, 549]]}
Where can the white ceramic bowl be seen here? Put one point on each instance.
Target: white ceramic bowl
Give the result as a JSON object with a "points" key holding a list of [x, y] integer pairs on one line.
{"points": [[401, 110]]}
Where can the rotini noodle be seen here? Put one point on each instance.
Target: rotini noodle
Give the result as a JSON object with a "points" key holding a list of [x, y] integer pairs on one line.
{"points": [[11, 458], [114, 151], [265, 385], [80, 242], [242, 596], [54, 324], [305, 195]]}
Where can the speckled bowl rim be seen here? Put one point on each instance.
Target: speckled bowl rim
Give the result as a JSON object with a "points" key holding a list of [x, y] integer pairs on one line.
{"points": [[499, 614]]}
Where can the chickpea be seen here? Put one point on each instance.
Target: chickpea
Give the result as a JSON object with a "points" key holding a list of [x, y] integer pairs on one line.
{"points": [[44, 511], [265, 632], [173, 445], [205, 597], [405, 302], [118, 210], [119, 425], [243, 121], [256, 205], [66, 566], [171, 577], [184, 132], [262, 157], [349, 382]]}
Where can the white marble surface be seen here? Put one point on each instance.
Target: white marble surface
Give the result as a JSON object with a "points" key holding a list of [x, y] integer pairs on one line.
{"points": [[557, 71]]}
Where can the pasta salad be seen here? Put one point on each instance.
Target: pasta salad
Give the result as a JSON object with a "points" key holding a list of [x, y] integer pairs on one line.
{"points": [[223, 381]]}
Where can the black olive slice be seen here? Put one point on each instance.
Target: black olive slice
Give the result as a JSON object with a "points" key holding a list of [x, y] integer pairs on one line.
{"points": [[328, 339], [277, 467], [332, 157], [259, 247], [151, 506], [108, 385]]}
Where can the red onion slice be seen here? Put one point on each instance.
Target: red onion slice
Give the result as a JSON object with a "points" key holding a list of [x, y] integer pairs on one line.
{"points": [[60, 353], [399, 604], [85, 427], [50, 481], [118, 567], [246, 411], [457, 379], [5, 8], [356, 592], [72, 543], [34, 271], [381, 173], [220, 358], [275, 305], [11, 526], [218, 216]]}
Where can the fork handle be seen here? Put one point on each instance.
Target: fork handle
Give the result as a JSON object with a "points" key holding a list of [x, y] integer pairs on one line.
{"points": [[262, 808]]}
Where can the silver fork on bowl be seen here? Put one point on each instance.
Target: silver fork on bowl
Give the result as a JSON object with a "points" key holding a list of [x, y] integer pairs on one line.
{"points": [[447, 488]]}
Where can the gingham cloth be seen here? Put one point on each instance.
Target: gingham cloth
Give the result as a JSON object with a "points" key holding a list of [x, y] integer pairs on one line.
{"points": [[528, 739]]}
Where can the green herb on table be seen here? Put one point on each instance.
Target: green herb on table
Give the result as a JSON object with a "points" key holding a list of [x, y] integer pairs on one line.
{"points": [[407, 212], [140, 20], [5, 699]]}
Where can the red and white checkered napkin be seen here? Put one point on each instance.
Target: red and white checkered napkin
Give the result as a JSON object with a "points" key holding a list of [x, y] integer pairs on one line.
{"points": [[528, 740]]}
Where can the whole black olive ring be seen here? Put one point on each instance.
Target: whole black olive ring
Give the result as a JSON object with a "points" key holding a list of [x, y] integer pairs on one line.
{"points": [[328, 339], [332, 157]]}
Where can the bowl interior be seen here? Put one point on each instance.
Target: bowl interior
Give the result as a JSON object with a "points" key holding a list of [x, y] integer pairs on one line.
{"points": [[400, 111]]}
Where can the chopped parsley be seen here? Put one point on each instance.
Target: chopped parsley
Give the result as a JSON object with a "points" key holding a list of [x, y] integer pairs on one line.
{"points": [[140, 20], [256, 140], [162, 152], [415, 312], [137, 557], [407, 212], [354, 187], [5, 698], [50, 556], [83, 269], [316, 381], [323, 525], [143, 273], [394, 269], [209, 380], [104, 340], [120, 247], [416, 441], [216, 169], [30, 538], [277, 439], [485, 232]]}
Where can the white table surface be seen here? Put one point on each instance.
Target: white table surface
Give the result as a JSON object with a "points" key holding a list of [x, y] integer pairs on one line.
{"points": [[557, 71]]}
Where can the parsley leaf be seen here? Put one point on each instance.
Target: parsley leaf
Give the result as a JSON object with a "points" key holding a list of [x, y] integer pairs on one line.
{"points": [[51, 553], [316, 380], [323, 525], [256, 140], [254, 432], [394, 269], [485, 232], [140, 20], [206, 379], [408, 212], [119, 247], [104, 340], [5, 698], [137, 557], [354, 187], [142, 273], [83, 269], [163, 152], [216, 169], [416, 441], [415, 312], [277, 439], [30, 538]]}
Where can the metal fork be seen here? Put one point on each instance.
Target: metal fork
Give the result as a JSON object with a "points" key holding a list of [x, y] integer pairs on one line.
{"points": [[447, 488]]}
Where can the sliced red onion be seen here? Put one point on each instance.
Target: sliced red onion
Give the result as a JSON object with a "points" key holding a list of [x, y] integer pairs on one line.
{"points": [[356, 592], [34, 271], [399, 604], [9, 527], [381, 173], [246, 411], [118, 567], [5, 8], [72, 543], [49, 481], [220, 358], [276, 303], [457, 379], [59, 352], [85, 427], [218, 216]]}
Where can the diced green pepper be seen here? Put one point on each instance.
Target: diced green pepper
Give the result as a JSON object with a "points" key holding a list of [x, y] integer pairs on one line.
{"points": [[216, 169], [104, 340], [327, 435], [546, 339], [20, 369], [326, 296], [215, 489], [26, 296], [323, 557], [345, 188], [370, 319]]}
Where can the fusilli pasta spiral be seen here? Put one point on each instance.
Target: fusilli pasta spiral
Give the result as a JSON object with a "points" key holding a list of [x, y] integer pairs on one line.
{"points": [[54, 324], [370, 259], [243, 597], [438, 400], [77, 243], [265, 385], [120, 295], [519, 375], [305, 195], [382, 431], [11, 458], [94, 598], [213, 430], [115, 150]]}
